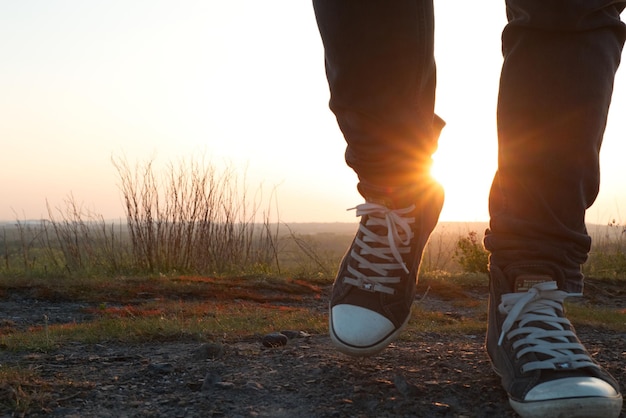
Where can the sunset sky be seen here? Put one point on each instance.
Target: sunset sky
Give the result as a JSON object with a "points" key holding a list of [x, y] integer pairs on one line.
{"points": [[240, 82]]}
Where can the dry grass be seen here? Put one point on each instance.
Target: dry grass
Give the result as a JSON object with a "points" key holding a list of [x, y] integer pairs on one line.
{"points": [[187, 217], [22, 390]]}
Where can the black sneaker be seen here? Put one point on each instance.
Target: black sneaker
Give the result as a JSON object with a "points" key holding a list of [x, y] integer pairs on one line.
{"points": [[375, 286], [545, 369]]}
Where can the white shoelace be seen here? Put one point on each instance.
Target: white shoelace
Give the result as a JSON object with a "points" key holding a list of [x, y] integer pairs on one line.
{"points": [[541, 305], [394, 244]]}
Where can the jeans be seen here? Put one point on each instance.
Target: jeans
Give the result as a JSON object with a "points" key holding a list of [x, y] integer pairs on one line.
{"points": [[560, 59]]}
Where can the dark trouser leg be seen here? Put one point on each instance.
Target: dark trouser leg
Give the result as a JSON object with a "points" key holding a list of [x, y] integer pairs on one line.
{"points": [[560, 59], [381, 72]]}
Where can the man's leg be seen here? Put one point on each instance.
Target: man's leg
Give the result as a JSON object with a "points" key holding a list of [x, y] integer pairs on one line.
{"points": [[560, 59], [381, 72]]}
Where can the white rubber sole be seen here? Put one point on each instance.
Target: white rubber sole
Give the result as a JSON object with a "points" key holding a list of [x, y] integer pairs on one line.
{"points": [[570, 408]]}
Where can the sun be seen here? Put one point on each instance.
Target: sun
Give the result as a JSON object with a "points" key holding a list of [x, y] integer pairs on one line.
{"points": [[466, 174], [438, 171]]}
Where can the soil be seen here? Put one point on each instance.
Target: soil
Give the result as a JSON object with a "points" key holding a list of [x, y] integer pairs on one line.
{"points": [[423, 375]]}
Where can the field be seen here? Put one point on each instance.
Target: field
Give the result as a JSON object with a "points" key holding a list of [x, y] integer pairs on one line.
{"points": [[193, 346], [167, 344], [198, 304]]}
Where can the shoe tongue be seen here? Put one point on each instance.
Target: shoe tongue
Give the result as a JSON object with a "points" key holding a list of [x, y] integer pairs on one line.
{"points": [[525, 282], [384, 201], [397, 197]]}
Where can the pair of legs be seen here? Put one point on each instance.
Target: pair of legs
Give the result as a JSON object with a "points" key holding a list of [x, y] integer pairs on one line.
{"points": [[560, 59]]}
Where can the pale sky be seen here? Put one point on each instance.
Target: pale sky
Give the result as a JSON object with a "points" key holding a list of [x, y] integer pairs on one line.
{"points": [[241, 82]]}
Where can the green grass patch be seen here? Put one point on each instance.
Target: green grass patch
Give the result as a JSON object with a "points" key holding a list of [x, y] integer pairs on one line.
{"points": [[452, 286], [129, 289], [597, 317], [200, 308], [423, 320], [170, 321]]}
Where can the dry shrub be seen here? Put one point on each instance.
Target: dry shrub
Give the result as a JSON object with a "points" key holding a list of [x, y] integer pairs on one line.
{"points": [[192, 217]]}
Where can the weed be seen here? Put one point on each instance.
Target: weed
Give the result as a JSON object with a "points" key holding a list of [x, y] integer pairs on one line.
{"points": [[423, 320], [597, 317], [14, 393], [192, 218], [189, 217], [607, 258], [471, 255]]}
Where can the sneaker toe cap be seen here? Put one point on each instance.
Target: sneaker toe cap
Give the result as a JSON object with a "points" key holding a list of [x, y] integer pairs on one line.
{"points": [[571, 387], [358, 326]]}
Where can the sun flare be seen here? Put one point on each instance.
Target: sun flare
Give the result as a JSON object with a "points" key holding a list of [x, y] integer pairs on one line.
{"points": [[465, 174]]}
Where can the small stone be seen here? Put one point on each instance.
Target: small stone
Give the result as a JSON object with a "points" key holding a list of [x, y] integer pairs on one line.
{"points": [[254, 385], [440, 407], [225, 385], [208, 351], [210, 380], [274, 340], [290, 334], [67, 412], [163, 368], [406, 389]]}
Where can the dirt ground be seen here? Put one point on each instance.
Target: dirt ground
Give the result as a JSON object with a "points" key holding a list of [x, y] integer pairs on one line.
{"points": [[422, 375]]}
